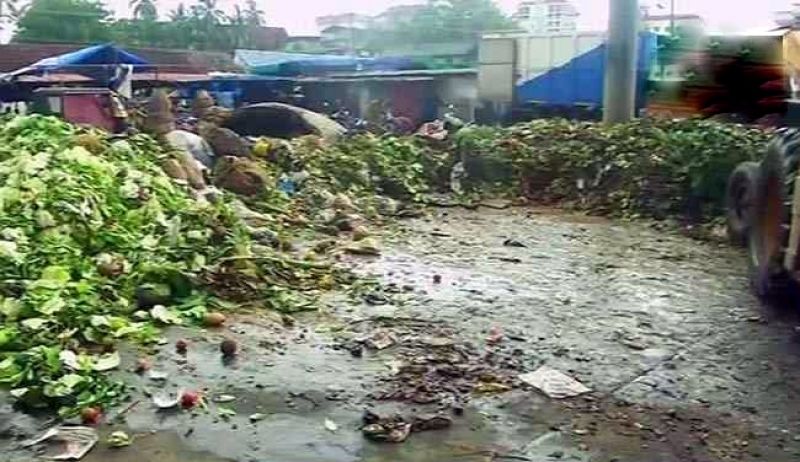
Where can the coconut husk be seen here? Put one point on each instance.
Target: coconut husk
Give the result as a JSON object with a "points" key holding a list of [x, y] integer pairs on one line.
{"points": [[174, 170], [240, 176], [201, 104], [193, 169], [159, 120], [223, 141]]}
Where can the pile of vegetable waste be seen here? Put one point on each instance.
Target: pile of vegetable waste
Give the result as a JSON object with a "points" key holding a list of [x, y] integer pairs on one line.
{"points": [[341, 188], [650, 168], [404, 168], [99, 246], [653, 168]]}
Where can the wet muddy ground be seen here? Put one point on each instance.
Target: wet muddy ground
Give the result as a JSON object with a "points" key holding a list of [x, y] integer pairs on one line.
{"points": [[684, 364]]}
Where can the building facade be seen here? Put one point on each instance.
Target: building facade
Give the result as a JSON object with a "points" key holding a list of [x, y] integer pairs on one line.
{"points": [[788, 18], [342, 33], [397, 15], [547, 17], [663, 24], [345, 20]]}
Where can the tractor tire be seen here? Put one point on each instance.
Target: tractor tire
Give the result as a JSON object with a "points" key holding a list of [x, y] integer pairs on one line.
{"points": [[739, 201], [771, 217]]}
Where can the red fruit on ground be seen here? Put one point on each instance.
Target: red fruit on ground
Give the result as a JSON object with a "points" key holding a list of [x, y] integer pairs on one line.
{"points": [[91, 415], [228, 348], [190, 399], [142, 366], [181, 346]]}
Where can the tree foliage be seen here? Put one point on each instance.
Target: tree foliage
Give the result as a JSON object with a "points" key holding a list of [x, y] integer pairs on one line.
{"points": [[201, 26], [12, 10], [144, 9], [75, 21], [441, 21], [677, 44]]}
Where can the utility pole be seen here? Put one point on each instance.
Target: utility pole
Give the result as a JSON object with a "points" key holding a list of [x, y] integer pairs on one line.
{"points": [[619, 102], [2, 18], [672, 18]]}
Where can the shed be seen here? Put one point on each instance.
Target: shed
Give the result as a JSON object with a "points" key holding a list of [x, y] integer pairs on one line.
{"points": [[419, 95], [98, 65]]}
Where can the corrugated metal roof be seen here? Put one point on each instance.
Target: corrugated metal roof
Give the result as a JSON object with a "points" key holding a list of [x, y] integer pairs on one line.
{"points": [[259, 58], [433, 49], [677, 17], [292, 64], [363, 78], [411, 73], [168, 77], [54, 78]]}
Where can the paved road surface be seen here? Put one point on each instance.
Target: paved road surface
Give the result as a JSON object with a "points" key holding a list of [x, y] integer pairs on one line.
{"points": [[685, 365]]}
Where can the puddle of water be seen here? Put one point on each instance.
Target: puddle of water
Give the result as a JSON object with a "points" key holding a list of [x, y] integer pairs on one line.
{"points": [[605, 303], [161, 447]]}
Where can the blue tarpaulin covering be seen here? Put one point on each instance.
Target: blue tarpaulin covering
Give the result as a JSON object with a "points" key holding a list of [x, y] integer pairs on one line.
{"points": [[294, 64], [581, 80], [98, 55], [99, 62]]}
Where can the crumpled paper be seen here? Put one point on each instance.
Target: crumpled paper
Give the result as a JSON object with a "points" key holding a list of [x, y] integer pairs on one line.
{"points": [[76, 441], [554, 383]]}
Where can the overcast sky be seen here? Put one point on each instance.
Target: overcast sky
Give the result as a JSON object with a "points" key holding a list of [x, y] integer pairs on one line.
{"points": [[298, 16]]}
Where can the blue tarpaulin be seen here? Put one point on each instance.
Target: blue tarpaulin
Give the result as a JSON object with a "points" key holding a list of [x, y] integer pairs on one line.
{"points": [[581, 80], [98, 61], [295, 64], [97, 55]]}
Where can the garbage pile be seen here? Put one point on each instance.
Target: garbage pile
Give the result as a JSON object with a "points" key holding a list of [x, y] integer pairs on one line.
{"points": [[654, 168], [650, 167], [99, 245], [107, 239]]}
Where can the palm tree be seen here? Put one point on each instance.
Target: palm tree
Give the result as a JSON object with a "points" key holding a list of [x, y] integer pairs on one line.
{"points": [[178, 32], [144, 9], [11, 12], [206, 17], [238, 27], [179, 13], [209, 11], [253, 16]]}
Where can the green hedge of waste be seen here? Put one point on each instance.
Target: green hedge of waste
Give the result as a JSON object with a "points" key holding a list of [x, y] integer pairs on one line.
{"points": [[648, 168]]}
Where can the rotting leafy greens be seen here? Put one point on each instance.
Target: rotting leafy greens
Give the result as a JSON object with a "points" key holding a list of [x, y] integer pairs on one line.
{"points": [[95, 247]]}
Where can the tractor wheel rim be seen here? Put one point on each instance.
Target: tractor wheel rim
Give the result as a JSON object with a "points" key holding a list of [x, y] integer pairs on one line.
{"points": [[771, 222]]}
